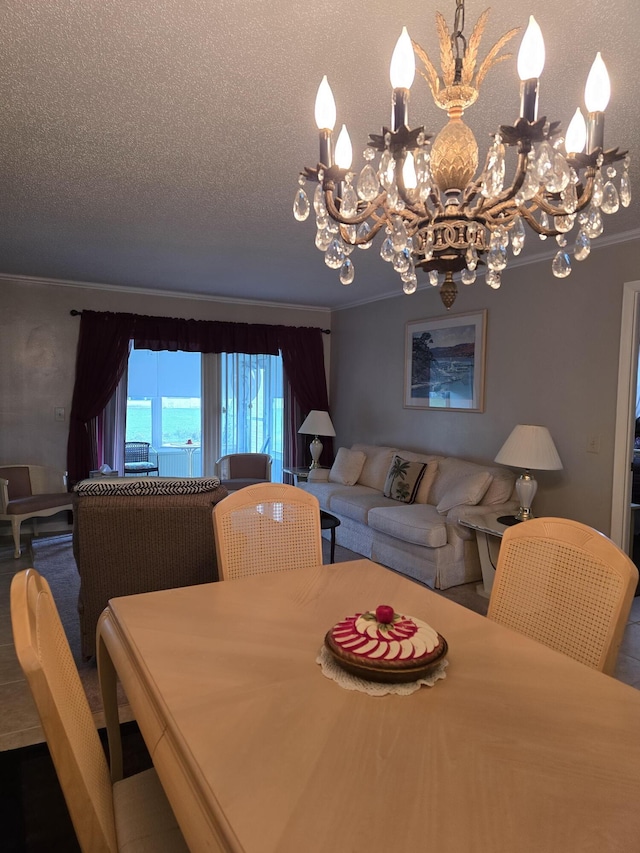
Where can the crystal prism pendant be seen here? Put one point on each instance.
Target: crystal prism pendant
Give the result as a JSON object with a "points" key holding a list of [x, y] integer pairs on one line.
{"points": [[368, 184], [363, 233], [564, 223], [467, 276], [349, 203], [398, 234], [402, 261], [610, 198], [497, 259], [334, 256], [318, 201], [561, 265], [386, 250], [493, 279], [598, 186], [347, 272], [301, 206], [544, 222], [582, 246], [593, 226], [517, 235], [471, 257], [433, 278], [570, 198], [559, 175], [323, 239], [410, 285], [494, 174], [387, 170], [625, 189]]}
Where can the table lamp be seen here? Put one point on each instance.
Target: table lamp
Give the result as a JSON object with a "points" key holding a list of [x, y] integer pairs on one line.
{"points": [[528, 446], [316, 423]]}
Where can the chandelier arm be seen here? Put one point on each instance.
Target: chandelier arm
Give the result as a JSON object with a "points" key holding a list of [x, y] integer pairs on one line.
{"points": [[335, 214], [526, 214], [361, 241]]}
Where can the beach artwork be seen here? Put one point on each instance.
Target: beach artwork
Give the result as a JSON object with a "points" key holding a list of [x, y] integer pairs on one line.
{"points": [[444, 363]]}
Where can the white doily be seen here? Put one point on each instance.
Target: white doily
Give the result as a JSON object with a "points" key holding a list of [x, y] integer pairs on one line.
{"points": [[345, 679]]}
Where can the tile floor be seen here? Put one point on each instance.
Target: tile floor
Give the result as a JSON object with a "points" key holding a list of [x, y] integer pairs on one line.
{"points": [[19, 724]]}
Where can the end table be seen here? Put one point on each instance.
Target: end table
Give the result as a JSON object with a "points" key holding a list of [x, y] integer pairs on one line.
{"points": [[489, 532]]}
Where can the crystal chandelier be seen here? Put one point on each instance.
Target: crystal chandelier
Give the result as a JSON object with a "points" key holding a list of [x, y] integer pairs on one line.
{"points": [[436, 215]]}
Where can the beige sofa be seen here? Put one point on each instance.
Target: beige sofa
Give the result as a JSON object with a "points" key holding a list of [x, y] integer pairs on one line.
{"points": [[423, 539]]}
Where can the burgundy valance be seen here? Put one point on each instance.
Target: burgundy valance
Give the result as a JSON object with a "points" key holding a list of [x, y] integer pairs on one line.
{"points": [[103, 351]]}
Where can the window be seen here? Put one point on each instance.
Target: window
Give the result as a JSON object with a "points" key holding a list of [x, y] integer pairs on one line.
{"points": [[165, 407], [251, 406]]}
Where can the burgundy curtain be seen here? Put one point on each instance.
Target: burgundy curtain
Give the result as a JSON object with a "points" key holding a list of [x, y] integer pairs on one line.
{"points": [[103, 351]]}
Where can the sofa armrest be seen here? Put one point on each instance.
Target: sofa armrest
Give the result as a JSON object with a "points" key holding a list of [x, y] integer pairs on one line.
{"points": [[318, 475]]}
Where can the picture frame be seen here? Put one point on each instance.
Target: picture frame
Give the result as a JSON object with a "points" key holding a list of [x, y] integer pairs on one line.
{"points": [[445, 363]]}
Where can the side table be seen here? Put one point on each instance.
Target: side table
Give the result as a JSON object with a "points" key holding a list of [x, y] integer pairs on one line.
{"points": [[489, 532], [299, 475]]}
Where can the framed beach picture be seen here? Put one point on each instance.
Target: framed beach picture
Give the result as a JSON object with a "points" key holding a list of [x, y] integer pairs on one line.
{"points": [[444, 363]]}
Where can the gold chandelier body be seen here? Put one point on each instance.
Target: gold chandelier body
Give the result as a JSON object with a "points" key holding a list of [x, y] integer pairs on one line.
{"points": [[437, 215]]}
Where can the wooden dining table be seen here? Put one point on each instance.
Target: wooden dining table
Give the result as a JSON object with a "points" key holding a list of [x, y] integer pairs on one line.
{"points": [[518, 749]]}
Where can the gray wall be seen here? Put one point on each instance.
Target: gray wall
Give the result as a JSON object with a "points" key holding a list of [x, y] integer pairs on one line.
{"points": [[38, 340], [552, 359]]}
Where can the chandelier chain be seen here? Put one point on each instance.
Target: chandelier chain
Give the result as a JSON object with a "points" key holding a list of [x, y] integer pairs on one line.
{"points": [[458, 41]]}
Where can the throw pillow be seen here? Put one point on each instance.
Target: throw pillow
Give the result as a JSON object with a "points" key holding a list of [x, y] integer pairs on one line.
{"points": [[422, 495], [347, 467], [466, 492], [403, 479]]}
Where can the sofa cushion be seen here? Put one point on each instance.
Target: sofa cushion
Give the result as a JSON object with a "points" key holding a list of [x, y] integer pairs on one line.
{"points": [[501, 488], [347, 466], [357, 504], [147, 486], [403, 479], [376, 466], [325, 492], [466, 491], [419, 524]]}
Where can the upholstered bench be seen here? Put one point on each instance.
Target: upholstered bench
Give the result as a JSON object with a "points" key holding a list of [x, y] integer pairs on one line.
{"points": [[30, 492], [134, 535]]}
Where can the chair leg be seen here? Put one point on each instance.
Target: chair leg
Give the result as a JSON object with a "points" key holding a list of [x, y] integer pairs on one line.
{"points": [[15, 529]]}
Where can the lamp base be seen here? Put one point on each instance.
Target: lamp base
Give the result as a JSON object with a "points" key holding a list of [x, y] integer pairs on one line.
{"points": [[316, 449]]}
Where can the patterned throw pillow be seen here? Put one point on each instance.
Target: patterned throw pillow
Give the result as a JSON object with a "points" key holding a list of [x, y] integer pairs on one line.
{"points": [[133, 486], [403, 479]]}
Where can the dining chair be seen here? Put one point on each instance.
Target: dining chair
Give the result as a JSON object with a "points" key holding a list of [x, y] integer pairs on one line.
{"points": [[28, 492], [237, 470], [566, 585], [131, 814], [137, 458], [268, 527]]}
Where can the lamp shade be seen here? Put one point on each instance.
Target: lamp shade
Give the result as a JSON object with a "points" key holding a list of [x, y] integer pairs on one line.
{"points": [[530, 446], [317, 423]]}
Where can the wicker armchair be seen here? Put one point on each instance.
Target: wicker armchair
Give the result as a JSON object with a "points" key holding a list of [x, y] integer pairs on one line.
{"points": [[126, 543]]}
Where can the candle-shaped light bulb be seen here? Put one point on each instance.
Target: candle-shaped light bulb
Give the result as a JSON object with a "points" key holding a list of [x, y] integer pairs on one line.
{"points": [[598, 89], [344, 150], [596, 97], [409, 177], [325, 106], [325, 120], [401, 74], [531, 54], [403, 63], [576, 137], [530, 65]]}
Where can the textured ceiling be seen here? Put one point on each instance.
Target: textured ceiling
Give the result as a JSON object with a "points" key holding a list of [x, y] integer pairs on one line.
{"points": [[156, 143]]}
